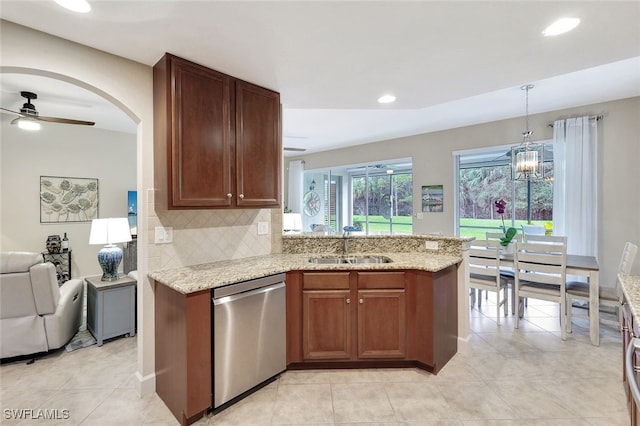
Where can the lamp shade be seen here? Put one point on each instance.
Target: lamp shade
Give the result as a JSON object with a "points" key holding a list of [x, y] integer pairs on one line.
{"points": [[527, 162], [110, 231]]}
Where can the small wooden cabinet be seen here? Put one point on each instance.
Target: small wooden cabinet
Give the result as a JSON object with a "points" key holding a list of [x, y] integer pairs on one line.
{"points": [[372, 318], [381, 324], [353, 315], [217, 139], [326, 315]]}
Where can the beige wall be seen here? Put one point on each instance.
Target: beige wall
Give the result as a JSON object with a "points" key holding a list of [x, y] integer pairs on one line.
{"points": [[619, 209], [61, 150], [127, 84], [199, 236]]}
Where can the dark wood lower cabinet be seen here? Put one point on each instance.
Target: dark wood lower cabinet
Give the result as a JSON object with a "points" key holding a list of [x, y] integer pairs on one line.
{"points": [[183, 352], [369, 318], [334, 319], [326, 318], [382, 328]]}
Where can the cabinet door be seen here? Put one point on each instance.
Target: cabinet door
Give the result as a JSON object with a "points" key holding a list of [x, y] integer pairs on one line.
{"points": [[381, 324], [201, 136], [258, 146], [326, 324]]}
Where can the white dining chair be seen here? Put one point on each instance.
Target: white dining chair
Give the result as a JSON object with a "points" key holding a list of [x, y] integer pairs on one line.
{"points": [[484, 271], [545, 239], [533, 230], [507, 272], [609, 296], [540, 273]]}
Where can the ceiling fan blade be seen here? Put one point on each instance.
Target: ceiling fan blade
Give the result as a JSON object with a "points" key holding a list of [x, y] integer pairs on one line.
{"points": [[294, 149], [13, 112], [64, 120]]}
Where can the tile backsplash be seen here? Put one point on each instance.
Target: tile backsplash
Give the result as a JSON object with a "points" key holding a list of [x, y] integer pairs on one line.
{"points": [[202, 236]]}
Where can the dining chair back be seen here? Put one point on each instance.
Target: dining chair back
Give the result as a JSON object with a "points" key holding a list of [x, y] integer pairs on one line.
{"points": [[484, 271], [540, 273], [545, 239], [533, 230], [608, 296]]}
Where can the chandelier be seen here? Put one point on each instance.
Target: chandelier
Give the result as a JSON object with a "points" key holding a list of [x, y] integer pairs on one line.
{"points": [[527, 159]]}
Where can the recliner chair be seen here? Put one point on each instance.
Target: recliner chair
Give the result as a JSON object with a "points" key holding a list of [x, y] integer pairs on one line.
{"points": [[36, 315]]}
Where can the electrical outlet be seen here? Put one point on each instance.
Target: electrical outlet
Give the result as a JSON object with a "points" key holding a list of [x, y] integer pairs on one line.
{"points": [[163, 235], [263, 228], [431, 245], [420, 216]]}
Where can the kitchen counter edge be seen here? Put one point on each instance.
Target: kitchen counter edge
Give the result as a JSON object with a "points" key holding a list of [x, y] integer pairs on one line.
{"points": [[631, 289], [191, 279]]}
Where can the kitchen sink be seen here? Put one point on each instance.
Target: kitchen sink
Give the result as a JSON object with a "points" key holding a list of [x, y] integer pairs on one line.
{"points": [[354, 260]]}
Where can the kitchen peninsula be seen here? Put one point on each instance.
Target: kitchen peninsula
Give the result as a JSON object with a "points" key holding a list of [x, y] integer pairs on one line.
{"points": [[401, 312]]}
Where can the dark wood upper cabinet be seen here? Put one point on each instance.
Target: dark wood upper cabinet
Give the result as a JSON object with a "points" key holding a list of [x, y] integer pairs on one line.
{"points": [[217, 139]]}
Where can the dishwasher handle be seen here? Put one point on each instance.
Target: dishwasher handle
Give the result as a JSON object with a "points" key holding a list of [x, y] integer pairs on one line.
{"points": [[232, 298]]}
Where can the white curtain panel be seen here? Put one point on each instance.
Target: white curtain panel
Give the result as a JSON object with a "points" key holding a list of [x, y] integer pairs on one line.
{"points": [[575, 185], [294, 195]]}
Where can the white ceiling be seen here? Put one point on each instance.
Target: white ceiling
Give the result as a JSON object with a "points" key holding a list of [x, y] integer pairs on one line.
{"points": [[450, 63]]}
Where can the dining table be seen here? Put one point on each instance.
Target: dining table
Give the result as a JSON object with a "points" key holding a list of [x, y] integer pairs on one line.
{"points": [[584, 266]]}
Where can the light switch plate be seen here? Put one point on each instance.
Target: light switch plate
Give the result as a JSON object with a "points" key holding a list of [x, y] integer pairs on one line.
{"points": [[419, 215], [263, 228], [431, 245], [163, 235]]}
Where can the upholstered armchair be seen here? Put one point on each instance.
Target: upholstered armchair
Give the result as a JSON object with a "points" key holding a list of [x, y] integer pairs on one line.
{"points": [[36, 315]]}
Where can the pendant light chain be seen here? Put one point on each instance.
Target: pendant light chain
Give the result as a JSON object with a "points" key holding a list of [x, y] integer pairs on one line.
{"points": [[526, 88]]}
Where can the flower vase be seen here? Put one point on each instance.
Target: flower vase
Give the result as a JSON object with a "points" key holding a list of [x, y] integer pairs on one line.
{"points": [[509, 249]]}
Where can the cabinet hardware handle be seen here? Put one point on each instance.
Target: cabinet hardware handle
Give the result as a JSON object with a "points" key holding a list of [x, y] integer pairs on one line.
{"points": [[229, 195], [348, 300], [361, 301], [241, 196]]}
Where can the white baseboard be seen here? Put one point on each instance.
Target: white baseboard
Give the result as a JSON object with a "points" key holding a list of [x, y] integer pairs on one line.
{"points": [[145, 385]]}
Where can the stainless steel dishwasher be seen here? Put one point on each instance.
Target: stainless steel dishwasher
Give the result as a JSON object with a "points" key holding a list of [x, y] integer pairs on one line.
{"points": [[249, 335]]}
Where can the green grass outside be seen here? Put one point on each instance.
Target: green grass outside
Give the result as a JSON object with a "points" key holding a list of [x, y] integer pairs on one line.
{"points": [[378, 224], [479, 227]]}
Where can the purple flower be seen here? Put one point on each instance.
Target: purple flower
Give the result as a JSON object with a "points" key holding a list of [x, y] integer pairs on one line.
{"points": [[500, 205]]}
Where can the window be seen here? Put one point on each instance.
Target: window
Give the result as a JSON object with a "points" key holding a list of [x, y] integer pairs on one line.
{"points": [[485, 177], [377, 198]]}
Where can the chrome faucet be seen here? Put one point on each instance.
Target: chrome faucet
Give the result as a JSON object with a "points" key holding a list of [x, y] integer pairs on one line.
{"points": [[345, 243]]}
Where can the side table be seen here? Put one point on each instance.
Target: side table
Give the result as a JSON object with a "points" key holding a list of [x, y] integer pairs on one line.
{"points": [[111, 307]]}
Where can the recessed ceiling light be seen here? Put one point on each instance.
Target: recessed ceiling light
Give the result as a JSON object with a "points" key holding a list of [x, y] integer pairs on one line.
{"points": [[386, 99], [80, 6], [561, 26]]}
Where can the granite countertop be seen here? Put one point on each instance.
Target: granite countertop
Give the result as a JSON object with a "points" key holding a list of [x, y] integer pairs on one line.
{"points": [[190, 279], [631, 290]]}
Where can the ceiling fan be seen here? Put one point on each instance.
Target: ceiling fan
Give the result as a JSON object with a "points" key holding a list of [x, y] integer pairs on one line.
{"points": [[29, 114]]}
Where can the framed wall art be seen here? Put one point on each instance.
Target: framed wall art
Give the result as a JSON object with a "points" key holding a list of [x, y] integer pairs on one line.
{"points": [[68, 199], [432, 198]]}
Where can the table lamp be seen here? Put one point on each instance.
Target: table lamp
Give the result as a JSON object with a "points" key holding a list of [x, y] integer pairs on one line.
{"points": [[109, 231]]}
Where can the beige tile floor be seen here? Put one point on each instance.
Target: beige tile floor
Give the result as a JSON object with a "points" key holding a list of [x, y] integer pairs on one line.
{"points": [[503, 377]]}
